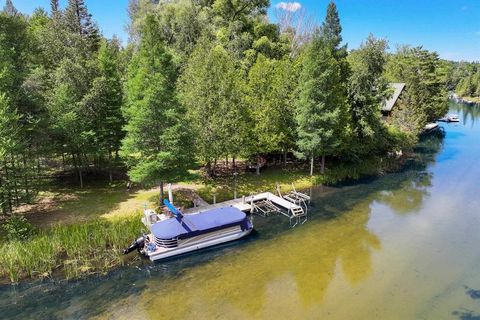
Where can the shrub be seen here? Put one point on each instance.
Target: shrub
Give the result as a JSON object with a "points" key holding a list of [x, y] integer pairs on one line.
{"points": [[17, 228]]}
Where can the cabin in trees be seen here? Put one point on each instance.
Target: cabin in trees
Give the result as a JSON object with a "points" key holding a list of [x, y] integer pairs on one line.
{"points": [[388, 106]]}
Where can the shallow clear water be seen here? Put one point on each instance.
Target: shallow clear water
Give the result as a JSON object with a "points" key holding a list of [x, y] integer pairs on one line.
{"points": [[403, 246]]}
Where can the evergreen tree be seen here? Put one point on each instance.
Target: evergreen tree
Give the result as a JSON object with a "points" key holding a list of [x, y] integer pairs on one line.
{"points": [[425, 93], [103, 103], [79, 21], [368, 89], [9, 8], [54, 6], [321, 106], [212, 90], [9, 145], [156, 147]]}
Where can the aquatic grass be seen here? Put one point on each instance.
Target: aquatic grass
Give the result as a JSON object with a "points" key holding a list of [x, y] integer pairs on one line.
{"points": [[73, 250]]}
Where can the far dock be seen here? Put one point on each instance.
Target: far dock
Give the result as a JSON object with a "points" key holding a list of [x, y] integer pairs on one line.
{"points": [[292, 205]]}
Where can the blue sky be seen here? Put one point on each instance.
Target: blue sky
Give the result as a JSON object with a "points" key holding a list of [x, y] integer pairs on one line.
{"points": [[450, 27]]}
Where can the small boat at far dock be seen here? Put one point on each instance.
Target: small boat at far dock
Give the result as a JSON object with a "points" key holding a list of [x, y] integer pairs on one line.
{"points": [[185, 233], [450, 118]]}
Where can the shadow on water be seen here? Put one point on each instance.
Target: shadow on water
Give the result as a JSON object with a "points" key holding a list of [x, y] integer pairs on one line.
{"points": [[302, 260], [464, 314]]}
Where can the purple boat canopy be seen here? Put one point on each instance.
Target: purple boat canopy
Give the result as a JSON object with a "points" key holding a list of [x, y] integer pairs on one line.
{"points": [[198, 223]]}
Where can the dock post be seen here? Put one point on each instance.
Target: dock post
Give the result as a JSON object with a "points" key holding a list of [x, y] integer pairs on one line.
{"points": [[214, 198]]}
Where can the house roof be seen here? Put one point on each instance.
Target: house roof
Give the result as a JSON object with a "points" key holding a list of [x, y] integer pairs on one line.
{"points": [[398, 89]]}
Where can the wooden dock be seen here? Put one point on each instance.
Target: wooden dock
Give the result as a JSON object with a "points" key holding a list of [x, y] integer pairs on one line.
{"points": [[263, 204]]}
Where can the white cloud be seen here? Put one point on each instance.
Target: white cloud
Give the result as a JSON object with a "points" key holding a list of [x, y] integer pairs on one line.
{"points": [[289, 6]]}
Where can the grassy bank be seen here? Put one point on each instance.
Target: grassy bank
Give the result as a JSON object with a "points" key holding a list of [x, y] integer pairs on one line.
{"points": [[69, 251], [248, 183], [107, 219]]}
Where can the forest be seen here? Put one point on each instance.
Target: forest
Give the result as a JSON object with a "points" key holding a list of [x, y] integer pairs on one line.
{"points": [[198, 81], [465, 79]]}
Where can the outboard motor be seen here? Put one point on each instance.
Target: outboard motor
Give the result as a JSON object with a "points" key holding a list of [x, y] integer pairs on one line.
{"points": [[137, 244]]}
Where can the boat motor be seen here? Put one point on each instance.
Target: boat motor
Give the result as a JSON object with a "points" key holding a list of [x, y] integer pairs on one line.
{"points": [[137, 244]]}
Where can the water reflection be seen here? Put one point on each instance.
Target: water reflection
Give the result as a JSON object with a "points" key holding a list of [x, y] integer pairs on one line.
{"points": [[293, 269], [278, 272]]}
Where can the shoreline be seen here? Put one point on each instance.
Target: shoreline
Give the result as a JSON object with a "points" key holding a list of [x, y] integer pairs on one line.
{"points": [[80, 250]]}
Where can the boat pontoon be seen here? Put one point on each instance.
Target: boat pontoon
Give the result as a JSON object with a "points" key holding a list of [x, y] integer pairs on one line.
{"points": [[185, 233]]}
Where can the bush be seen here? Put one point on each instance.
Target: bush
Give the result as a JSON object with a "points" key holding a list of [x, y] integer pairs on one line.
{"points": [[17, 228]]}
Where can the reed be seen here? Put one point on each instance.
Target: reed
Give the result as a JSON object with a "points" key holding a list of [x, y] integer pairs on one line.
{"points": [[69, 250]]}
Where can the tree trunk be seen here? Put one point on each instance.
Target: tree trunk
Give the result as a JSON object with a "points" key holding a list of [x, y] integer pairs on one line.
{"points": [[311, 166], [208, 166], [258, 166], [226, 162], [214, 167], [110, 174], [234, 164], [2, 198], [161, 193], [25, 177], [15, 183], [9, 192], [285, 158], [322, 170], [80, 176], [78, 168]]}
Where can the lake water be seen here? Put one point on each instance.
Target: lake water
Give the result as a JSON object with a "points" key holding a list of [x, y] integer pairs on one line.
{"points": [[403, 246]]}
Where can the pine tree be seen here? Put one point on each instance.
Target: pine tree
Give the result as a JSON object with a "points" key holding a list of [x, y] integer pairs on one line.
{"points": [[321, 106], [156, 147], [79, 21], [425, 92], [54, 6], [368, 89], [103, 103], [9, 8]]}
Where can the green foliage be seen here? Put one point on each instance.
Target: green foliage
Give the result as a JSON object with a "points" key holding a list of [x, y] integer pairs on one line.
{"points": [[156, 147], [74, 250], [469, 86], [425, 96], [270, 95], [212, 90], [322, 101], [17, 228], [367, 91]]}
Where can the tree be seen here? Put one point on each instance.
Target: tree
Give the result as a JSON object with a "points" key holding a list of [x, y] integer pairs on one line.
{"points": [[367, 90], [211, 88], [9, 144], [321, 105], [79, 21], [9, 8], [54, 7], [269, 97], [70, 123], [103, 103], [156, 147], [18, 115], [425, 93]]}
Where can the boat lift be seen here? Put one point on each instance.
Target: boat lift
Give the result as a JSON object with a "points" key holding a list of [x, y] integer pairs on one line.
{"points": [[267, 203], [293, 205], [296, 197]]}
